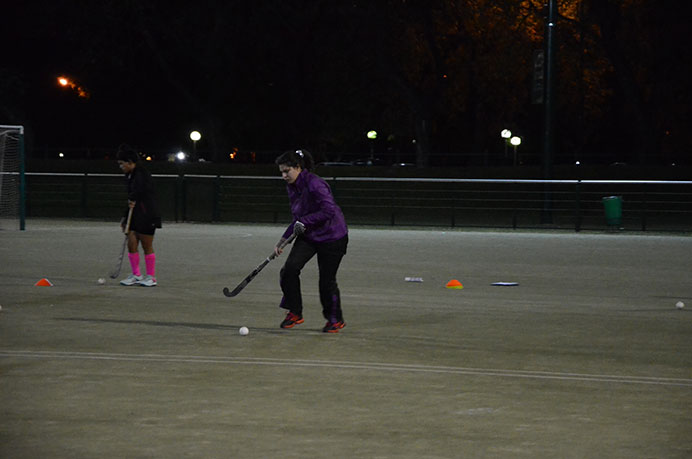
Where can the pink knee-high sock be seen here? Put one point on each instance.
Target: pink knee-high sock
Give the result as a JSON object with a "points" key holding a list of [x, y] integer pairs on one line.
{"points": [[134, 262], [150, 260]]}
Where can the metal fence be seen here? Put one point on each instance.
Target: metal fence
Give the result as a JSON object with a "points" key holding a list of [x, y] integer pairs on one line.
{"points": [[576, 205]]}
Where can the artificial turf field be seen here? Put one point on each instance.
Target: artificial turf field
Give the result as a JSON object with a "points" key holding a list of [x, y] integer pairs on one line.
{"points": [[586, 357]]}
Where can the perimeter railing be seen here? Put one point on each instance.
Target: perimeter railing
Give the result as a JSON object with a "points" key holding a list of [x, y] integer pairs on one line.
{"points": [[647, 205]]}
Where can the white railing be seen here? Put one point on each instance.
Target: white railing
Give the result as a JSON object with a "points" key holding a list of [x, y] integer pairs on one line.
{"points": [[646, 205]]}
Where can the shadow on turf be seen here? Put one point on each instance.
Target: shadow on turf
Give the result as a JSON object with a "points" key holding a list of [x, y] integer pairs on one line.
{"points": [[157, 323]]}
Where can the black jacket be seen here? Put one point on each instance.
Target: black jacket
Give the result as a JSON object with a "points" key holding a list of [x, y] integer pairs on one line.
{"points": [[140, 188]]}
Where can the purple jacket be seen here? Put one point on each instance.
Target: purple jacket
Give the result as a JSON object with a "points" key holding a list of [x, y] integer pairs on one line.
{"points": [[313, 205]]}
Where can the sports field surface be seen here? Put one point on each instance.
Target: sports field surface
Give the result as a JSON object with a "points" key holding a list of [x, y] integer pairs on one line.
{"points": [[587, 357]]}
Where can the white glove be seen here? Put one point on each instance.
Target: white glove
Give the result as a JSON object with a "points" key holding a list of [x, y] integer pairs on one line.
{"points": [[299, 228]]}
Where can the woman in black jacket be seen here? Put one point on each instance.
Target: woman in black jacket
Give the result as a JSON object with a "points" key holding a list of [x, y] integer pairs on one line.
{"points": [[145, 217]]}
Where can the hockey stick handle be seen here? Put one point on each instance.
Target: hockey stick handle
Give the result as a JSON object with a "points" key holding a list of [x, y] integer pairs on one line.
{"points": [[284, 244]]}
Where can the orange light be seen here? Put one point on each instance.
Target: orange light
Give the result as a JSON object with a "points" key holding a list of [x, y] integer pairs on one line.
{"points": [[66, 82], [148, 158]]}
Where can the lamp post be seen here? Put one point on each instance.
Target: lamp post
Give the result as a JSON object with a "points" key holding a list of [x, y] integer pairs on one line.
{"points": [[195, 136], [506, 134], [515, 141], [550, 43], [372, 135]]}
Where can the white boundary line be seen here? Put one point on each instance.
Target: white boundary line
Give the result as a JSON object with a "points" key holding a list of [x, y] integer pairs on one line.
{"points": [[374, 366]]}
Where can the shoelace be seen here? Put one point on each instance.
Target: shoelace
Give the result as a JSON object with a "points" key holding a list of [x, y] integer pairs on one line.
{"points": [[292, 317]]}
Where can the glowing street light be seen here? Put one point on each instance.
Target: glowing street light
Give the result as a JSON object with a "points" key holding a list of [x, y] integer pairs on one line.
{"points": [[195, 136], [506, 134], [180, 155], [372, 136], [515, 141], [68, 83]]}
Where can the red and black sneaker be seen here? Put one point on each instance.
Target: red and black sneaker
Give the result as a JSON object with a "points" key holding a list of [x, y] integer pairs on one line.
{"points": [[291, 320], [334, 327]]}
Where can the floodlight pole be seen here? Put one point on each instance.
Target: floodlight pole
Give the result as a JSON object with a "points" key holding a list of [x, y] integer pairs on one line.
{"points": [[549, 106]]}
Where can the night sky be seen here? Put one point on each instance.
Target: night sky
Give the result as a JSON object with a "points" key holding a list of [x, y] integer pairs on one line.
{"points": [[434, 78]]}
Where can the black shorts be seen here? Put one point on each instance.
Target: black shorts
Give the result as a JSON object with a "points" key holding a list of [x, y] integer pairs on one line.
{"points": [[145, 225]]}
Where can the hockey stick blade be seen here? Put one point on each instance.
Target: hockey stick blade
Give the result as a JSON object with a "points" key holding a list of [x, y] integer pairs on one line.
{"points": [[119, 264], [248, 279]]}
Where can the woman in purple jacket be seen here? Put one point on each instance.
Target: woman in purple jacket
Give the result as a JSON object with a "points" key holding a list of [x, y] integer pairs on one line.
{"points": [[322, 231]]}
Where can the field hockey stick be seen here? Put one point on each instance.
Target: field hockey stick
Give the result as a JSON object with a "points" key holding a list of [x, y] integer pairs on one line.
{"points": [[116, 272], [256, 271]]}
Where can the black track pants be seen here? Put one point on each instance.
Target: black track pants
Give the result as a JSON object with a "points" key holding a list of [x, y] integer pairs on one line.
{"points": [[329, 255]]}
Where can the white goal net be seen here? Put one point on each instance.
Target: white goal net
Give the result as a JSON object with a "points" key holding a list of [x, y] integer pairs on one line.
{"points": [[12, 185]]}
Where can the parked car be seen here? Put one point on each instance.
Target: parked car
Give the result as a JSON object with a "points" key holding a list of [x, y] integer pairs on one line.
{"points": [[335, 163], [369, 162]]}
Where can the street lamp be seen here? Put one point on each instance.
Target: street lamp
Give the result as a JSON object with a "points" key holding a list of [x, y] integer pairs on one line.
{"points": [[372, 135], [65, 82], [195, 136], [506, 134], [515, 141]]}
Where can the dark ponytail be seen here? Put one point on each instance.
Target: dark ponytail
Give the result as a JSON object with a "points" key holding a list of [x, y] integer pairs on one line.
{"points": [[294, 158]]}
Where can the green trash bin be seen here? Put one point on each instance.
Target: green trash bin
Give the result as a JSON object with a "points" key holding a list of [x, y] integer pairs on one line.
{"points": [[613, 210]]}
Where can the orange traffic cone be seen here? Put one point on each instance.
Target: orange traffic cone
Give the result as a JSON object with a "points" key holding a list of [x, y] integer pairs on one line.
{"points": [[44, 283], [454, 284]]}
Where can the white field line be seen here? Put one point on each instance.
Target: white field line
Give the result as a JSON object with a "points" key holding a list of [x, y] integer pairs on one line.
{"points": [[374, 366]]}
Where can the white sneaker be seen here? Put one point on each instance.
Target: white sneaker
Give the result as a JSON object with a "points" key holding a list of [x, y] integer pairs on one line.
{"points": [[131, 280], [148, 281]]}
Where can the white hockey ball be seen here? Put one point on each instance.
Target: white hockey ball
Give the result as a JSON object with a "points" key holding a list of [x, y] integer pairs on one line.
{"points": [[679, 305], [101, 281], [244, 331]]}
